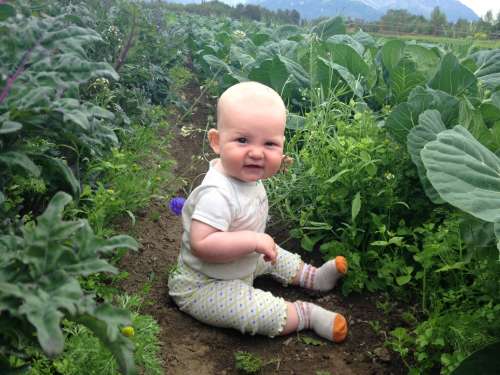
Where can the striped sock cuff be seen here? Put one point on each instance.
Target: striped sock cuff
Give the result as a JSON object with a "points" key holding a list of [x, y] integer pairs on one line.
{"points": [[307, 276], [304, 314]]}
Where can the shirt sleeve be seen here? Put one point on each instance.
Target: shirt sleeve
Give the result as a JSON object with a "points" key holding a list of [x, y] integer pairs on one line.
{"points": [[213, 208]]}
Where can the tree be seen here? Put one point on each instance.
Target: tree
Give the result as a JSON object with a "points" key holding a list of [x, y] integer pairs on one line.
{"points": [[438, 21], [488, 17], [462, 27]]}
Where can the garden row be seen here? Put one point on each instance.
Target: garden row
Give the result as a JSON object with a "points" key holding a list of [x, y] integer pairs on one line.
{"points": [[395, 146], [394, 143], [84, 90]]}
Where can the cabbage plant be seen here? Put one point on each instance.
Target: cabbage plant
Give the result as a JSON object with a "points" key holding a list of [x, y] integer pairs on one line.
{"points": [[39, 286]]}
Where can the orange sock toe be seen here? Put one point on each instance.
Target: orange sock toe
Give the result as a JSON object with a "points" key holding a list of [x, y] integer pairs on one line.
{"points": [[341, 264], [339, 328]]}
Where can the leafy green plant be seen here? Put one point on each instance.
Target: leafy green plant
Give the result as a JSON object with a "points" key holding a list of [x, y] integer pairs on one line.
{"points": [[347, 189], [44, 63], [39, 285], [127, 178], [247, 362], [310, 341], [84, 353]]}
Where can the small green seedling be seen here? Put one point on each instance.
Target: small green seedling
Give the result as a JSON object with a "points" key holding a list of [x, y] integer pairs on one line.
{"points": [[310, 341], [247, 362], [375, 325], [155, 216]]}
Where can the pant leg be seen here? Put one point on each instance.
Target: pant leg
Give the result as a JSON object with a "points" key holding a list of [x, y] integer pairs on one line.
{"points": [[228, 303], [284, 270]]}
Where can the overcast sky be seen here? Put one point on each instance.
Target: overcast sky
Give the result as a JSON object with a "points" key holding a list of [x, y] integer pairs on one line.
{"points": [[482, 6]]}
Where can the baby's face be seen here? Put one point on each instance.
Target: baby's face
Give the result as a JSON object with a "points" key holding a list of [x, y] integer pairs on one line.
{"points": [[251, 139]]}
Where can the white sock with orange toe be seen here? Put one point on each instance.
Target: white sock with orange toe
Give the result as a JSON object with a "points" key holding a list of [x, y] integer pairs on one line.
{"points": [[325, 277], [327, 324]]}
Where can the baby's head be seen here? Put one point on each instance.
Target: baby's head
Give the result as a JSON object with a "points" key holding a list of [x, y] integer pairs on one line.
{"points": [[250, 133]]}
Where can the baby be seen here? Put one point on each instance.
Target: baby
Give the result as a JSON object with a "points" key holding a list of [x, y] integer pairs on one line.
{"points": [[224, 245]]}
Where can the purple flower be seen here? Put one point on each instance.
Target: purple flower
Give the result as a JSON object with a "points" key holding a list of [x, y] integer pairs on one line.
{"points": [[176, 205]]}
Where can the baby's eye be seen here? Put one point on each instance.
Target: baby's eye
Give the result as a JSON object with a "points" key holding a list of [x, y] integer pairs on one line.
{"points": [[242, 140], [270, 144]]}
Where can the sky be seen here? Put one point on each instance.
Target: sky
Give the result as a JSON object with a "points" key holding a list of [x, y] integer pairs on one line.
{"points": [[482, 6]]}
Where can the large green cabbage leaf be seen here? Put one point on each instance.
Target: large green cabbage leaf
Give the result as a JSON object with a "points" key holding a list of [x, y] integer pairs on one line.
{"points": [[464, 172]]}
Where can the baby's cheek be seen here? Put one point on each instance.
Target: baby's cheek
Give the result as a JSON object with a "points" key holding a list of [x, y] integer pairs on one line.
{"points": [[275, 165]]}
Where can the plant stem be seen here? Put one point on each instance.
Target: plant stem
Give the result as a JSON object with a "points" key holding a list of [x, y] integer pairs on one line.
{"points": [[20, 70], [126, 47]]}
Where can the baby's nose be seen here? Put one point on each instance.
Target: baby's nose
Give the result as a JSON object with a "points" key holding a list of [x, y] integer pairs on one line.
{"points": [[256, 153]]}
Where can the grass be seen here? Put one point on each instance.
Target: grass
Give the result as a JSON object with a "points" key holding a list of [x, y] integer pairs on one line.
{"points": [[127, 178], [482, 44]]}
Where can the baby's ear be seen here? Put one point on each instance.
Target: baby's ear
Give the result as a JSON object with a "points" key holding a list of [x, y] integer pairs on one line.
{"points": [[286, 162], [213, 139]]}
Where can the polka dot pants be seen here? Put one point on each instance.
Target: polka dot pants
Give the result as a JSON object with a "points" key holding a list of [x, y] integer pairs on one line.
{"points": [[235, 303]]}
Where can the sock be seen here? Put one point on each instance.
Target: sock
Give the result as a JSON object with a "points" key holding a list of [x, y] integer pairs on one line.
{"points": [[327, 324], [325, 277]]}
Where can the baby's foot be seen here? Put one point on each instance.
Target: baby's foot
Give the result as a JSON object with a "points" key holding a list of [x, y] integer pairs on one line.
{"points": [[325, 277], [327, 324]]}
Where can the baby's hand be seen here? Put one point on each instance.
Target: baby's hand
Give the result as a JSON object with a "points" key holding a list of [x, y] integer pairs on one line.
{"points": [[267, 247]]}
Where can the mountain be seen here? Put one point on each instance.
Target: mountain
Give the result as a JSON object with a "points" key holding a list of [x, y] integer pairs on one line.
{"points": [[309, 9], [453, 9], [370, 9]]}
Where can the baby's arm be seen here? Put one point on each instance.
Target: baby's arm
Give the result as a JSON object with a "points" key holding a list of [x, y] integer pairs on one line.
{"points": [[215, 246]]}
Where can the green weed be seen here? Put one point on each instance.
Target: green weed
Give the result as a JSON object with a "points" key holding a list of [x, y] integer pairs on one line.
{"points": [[310, 341], [156, 216], [127, 178], [346, 190], [180, 77], [247, 362], [375, 326]]}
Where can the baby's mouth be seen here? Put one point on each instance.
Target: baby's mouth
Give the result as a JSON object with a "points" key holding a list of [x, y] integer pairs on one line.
{"points": [[254, 166]]}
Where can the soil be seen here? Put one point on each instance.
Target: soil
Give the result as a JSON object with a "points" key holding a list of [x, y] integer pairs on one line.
{"points": [[190, 347]]}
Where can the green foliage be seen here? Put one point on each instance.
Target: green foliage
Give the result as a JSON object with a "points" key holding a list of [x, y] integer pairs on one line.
{"points": [[464, 331], [459, 297], [352, 191], [44, 63], [429, 126], [84, 351], [310, 341], [464, 172], [128, 177], [247, 362], [329, 27], [347, 188], [39, 285], [485, 358]]}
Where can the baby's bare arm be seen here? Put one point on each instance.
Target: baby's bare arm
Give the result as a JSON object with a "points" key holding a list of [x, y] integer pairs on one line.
{"points": [[215, 246]]}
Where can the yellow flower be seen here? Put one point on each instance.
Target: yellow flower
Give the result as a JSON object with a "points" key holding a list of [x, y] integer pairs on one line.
{"points": [[128, 331]]}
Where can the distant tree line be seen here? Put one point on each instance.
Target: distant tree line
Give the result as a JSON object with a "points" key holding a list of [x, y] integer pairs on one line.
{"points": [[397, 21], [401, 21], [240, 11]]}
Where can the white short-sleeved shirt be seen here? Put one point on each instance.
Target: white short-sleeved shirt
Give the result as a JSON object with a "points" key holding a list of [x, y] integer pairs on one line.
{"points": [[229, 205]]}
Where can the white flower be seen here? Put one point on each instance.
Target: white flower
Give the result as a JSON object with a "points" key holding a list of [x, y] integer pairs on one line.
{"points": [[186, 131], [239, 34], [388, 176]]}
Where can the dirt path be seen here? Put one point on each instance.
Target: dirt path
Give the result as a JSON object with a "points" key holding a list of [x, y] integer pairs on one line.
{"points": [[189, 347]]}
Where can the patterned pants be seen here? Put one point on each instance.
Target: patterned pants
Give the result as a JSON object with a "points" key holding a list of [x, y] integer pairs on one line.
{"points": [[235, 303]]}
